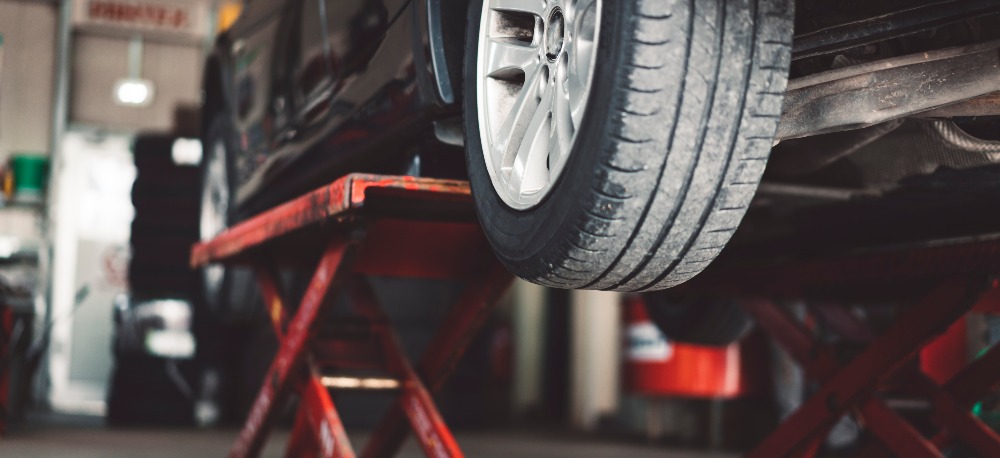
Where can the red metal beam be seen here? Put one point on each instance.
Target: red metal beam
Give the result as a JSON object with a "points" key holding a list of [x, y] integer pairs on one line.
{"points": [[303, 440], [337, 199], [980, 377], [290, 355], [462, 323], [965, 426], [956, 417], [964, 389], [432, 433], [820, 364], [952, 404], [323, 419], [895, 433], [456, 248], [273, 301], [842, 391], [816, 359]]}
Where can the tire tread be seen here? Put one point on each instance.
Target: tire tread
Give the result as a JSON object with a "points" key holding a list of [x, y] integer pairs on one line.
{"points": [[730, 162]]}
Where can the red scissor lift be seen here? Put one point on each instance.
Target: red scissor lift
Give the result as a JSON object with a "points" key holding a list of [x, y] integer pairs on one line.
{"points": [[361, 225], [414, 227], [940, 282]]}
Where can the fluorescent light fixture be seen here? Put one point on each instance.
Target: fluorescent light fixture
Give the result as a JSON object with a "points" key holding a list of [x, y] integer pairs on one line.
{"points": [[186, 151], [134, 92]]}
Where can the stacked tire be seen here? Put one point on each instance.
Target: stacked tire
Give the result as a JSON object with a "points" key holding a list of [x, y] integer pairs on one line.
{"points": [[165, 196], [147, 389]]}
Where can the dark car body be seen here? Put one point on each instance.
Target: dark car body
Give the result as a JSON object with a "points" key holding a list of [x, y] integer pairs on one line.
{"points": [[312, 88]]}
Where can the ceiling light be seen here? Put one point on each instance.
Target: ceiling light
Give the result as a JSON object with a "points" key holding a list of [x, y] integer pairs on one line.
{"points": [[134, 92]]}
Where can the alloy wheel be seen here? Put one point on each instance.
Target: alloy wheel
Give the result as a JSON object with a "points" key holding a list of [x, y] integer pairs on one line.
{"points": [[534, 72]]}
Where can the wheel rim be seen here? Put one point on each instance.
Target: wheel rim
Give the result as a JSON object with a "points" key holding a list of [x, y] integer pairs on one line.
{"points": [[534, 72], [214, 208]]}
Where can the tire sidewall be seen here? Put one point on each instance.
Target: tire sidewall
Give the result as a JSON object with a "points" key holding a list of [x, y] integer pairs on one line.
{"points": [[522, 238], [713, 321], [218, 129]]}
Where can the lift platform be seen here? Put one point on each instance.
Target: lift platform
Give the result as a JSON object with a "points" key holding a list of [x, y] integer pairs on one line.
{"points": [[939, 282], [361, 225]]}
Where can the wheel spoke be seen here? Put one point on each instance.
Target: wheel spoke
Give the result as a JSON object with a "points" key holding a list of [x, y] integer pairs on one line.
{"points": [[508, 137], [506, 56], [535, 7], [581, 54], [534, 68], [529, 172], [563, 124], [557, 149], [576, 89], [579, 6]]}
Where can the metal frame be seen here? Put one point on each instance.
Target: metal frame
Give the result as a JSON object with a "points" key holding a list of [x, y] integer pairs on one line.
{"points": [[893, 25], [943, 279], [879, 91], [362, 219], [856, 386]]}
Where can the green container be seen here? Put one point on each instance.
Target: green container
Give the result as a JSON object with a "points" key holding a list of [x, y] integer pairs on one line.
{"points": [[30, 173]]}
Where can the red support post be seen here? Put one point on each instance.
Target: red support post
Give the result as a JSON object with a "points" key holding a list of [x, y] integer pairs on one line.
{"points": [[820, 364], [303, 440], [980, 377], [441, 356], [323, 418], [436, 212], [895, 433], [433, 434], [273, 301], [290, 355], [843, 388]]}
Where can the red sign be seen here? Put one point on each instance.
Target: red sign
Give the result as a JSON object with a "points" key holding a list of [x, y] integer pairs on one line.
{"points": [[184, 19], [140, 15]]}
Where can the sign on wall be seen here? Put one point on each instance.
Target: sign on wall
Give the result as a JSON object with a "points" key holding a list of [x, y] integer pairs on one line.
{"points": [[150, 18]]}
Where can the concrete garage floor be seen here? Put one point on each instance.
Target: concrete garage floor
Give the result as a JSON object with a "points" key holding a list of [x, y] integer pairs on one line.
{"points": [[51, 436]]}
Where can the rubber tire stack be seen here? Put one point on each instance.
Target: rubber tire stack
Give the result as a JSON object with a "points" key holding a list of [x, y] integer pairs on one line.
{"points": [[165, 197]]}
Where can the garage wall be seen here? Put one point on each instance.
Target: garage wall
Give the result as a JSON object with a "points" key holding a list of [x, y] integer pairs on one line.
{"points": [[29, 31], [99, 61]]}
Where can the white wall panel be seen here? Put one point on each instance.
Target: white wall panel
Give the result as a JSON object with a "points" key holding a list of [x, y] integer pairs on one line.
{"points": [[595, 354], [99, 61], [26, 81]]}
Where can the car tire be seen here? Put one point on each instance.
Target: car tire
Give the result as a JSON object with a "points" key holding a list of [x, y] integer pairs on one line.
{"points": [[158, 263], [231, 294], [709, 321], [673, 140]]}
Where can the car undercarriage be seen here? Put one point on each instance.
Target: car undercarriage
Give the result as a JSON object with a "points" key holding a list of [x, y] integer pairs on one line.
{"points": [[889, 131]]}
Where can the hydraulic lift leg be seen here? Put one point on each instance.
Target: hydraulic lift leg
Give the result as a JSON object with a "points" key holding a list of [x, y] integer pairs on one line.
{"points": [[439, 360], [290, 355], [854, 387], [363, 219]]}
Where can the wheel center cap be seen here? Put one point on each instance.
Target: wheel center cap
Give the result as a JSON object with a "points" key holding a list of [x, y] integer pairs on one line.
{"points": [[554, 32]]}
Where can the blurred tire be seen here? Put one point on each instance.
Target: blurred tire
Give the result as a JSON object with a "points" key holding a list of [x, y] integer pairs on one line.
{"points": [[710, 321]]}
